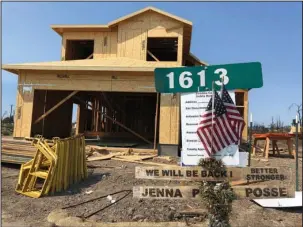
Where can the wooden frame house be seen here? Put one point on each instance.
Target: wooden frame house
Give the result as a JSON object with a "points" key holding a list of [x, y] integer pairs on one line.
{"points": [[108, 71]]}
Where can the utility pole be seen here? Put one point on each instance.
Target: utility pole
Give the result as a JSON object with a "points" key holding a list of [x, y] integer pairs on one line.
{"points": [[10, 113]]}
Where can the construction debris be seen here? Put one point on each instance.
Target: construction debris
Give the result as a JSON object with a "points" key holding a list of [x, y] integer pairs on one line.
{"points": [[60, 165]]}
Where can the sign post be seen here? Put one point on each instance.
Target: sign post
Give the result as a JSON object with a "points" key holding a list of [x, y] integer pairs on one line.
{"points": [[250, 139], [297, 157], [205, 79]]}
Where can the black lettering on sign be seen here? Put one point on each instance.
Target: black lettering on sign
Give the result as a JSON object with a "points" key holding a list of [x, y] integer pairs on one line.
{"points": [[165, 172], [150, 172], [265, 192], [192, 192], [283, 192], [257, 192], [274, 192], [169, 192], [62, 76], [178, 193], [188, 173], [152, 192], [195, 192], [162, 192], [248, 191]]}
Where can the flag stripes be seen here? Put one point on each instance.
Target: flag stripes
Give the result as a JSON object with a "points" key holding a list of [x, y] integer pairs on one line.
{"points": [[218, 133]]}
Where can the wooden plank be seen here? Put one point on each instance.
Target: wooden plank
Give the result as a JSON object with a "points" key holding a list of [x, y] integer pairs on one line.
{"points": [[56, 106], [136, 157], [192, 192], [142, 162], [250, 174], [105, 157], [123, 149]]}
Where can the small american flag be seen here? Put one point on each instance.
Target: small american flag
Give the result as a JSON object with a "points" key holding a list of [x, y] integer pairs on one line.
{"points": [[218, 130], [234, 115]]}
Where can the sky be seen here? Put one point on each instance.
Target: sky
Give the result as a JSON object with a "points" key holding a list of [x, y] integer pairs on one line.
{"points": [[223, 33]]}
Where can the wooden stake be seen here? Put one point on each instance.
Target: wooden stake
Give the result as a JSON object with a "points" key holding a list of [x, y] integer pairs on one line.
{"points": [[56, 106], [156, 122]]}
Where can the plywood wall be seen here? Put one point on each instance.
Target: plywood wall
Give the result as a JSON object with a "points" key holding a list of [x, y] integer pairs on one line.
{"points": [[129, 38], [133, 34], [107, 81], [105, 43], [24, 109], [169, 132]]}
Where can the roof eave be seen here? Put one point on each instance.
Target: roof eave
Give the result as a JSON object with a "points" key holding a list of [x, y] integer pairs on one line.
{"points": [[15, 68]]}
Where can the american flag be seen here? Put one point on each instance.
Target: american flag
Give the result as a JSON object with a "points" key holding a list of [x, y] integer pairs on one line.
{"points": [[234, 115], [218, 130]]}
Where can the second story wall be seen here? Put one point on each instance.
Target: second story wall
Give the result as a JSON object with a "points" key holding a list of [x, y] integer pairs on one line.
{"points": [[104, 43], [129, 38], [133, 34]]}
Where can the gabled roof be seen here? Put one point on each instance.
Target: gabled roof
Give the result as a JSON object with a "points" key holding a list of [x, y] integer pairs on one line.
{"points": [[106, 64], [150, 8], [95, 28]]}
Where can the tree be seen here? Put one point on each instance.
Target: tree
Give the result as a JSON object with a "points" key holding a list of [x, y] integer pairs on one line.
{"points": [[272, 125], [3, 115], [298, 110]]}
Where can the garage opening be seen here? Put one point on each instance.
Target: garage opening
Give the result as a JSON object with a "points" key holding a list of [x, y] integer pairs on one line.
{"points": [[79, 49], [162, 49], [110, 119]]}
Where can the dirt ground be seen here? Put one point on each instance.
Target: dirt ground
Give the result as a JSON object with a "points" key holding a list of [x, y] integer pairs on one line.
{"points": [[19, 210]]}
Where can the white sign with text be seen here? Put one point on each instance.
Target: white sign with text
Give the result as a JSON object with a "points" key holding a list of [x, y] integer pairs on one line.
{"points": [[193, 105]]}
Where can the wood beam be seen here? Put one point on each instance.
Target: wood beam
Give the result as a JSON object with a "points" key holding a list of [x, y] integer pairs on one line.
{"points": [[90, 56], [55, 107], [153, 56], [156, 121]]}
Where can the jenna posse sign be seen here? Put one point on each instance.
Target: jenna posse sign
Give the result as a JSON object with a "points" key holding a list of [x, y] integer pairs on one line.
{"points": [[192, 192]]}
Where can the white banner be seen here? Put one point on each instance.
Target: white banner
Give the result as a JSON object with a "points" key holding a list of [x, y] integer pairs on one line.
{"points": [[193, 106]]}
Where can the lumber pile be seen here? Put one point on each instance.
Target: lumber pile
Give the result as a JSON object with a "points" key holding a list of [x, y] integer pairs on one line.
{"points": [[96, 153], [17, 147], [59, 165]]}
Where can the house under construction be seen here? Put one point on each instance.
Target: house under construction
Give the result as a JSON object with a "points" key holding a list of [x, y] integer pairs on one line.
{"points": [[108, 72]]}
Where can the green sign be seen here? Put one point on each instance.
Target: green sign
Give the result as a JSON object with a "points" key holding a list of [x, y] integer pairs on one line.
{"points": [[200, 78]]}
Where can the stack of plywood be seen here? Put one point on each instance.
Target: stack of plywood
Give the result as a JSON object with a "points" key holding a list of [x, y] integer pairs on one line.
{"points": [[16, 151]]}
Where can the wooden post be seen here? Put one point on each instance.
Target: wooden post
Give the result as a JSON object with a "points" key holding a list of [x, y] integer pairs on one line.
{"points": [[267, 147], [156, 121]]}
